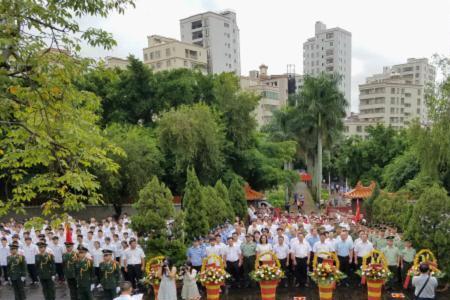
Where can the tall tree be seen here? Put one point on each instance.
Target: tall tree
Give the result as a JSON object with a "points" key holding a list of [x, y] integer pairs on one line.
{"points": [[323, 105], [191, 136], [142, 161], [215, 207], [194, 205], [237, 198], [50, 140], [430, 224], [222, 192], [153, 208]]}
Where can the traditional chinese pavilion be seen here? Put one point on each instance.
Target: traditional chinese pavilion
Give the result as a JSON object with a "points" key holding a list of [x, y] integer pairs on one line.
{"points": [[252, 195], [359, 193]]}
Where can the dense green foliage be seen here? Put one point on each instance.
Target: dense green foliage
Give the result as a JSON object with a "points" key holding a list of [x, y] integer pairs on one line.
{"points": [[50, 141], [237, 198], [142, 160], [194, 205], [153, 209]]}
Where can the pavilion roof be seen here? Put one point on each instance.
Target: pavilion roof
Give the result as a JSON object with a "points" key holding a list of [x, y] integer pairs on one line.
{"points": [[360, 191], [252, 195]]}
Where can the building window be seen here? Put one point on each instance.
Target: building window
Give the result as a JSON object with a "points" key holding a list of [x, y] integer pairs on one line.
{"points": [[145, 56], [151, 55], [196, 24], [197, 35], [329, 52], [158, 65], [185, 63], [168, 52], [226, 25], [168, 63], [392, 90], [157, 54], [358, 128], [330, 35]]}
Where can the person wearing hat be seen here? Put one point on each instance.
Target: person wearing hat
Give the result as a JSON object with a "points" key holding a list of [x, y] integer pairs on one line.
{"points": [[248, 250], [84, 274], [46, 269], [58, 251], [69, 261], [196, 254], [407, 253], [109, 275], [17, 271], [393, 258]]}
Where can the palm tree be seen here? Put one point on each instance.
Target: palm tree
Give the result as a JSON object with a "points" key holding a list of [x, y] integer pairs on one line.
{"points": [[321, 106], [314, 120]]}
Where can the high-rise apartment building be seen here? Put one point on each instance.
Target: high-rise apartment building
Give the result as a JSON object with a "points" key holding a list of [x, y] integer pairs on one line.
{"points": [[395, 97], [218, 33], [330, 51], [165, 53]]}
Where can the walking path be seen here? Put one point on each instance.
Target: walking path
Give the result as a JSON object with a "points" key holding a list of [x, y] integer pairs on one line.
{"points": [[302, 189]]}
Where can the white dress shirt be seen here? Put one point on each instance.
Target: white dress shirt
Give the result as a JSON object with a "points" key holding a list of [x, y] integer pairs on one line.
{"points": [[232, 253], [362, 249], [134, 256], [301, 249], [322, 247], [58, 251], [30, 253], [281, 251]]}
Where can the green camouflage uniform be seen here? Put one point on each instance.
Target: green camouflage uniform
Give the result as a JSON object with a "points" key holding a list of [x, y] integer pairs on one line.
{"points": [[84, 272], [109, 278], [17, 270], [45, 264], [69, 261]]}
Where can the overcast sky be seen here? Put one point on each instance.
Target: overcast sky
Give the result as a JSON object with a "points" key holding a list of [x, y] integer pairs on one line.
{"points": [[384, 32]]}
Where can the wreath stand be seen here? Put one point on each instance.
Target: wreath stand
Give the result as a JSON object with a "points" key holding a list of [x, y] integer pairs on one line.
{"points": [[326, 289], [213, 289], [374, 287], [268, 287]]}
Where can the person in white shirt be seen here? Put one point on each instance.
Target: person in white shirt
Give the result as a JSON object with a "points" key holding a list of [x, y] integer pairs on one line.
{"points": [[4, 252], [30, 251], [362, 248], [58, 251], [109, 246], [253, 227], [322, 246], [345, 224], [118, 247], [300, 257], [97, 257], [281, 250], [134, 262], [233, 258]]}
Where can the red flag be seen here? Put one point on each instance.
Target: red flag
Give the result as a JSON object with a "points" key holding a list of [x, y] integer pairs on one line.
{"points": [[68, 233], [358, 212]]}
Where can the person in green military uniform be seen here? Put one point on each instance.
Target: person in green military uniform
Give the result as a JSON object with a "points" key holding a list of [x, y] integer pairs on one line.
{"points": [[380, 241], [46, 270], [69, 260], [393, 257], [17, 271], [84, 274], [109, 275], [407, 253], [248, 250]]}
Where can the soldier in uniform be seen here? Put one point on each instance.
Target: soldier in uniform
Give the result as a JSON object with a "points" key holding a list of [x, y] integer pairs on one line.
{"points": [[393, 257], [408, 253], [84, 273], [17, 271], [109, 275], [46, 269], [69, 261]]}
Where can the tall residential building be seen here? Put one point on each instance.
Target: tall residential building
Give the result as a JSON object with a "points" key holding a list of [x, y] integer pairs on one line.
{"points": [[218, 33], [274, 91], [330, 51], [165, 53], [395, 97]]}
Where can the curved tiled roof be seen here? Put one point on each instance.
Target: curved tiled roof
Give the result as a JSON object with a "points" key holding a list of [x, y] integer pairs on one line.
{"points": [[252, 195], [360, 191]]}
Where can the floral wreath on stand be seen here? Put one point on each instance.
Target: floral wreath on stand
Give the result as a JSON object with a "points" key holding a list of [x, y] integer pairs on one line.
{"points": [[423, 256], [328, 270], [152, 268], [376, 269], [267, 271], [211, 273]]}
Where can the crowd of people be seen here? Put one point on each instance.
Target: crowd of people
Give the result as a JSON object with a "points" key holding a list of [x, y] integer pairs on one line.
{"points": [[100, 254], [87, 255]]}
